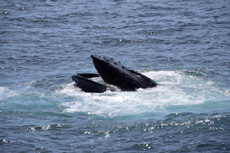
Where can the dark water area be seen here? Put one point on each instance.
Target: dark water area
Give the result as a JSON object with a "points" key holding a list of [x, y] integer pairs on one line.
{"points": [[182, 45]]}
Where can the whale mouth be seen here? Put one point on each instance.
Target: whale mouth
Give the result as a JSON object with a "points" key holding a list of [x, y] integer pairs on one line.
{"points": [[113, 73]]}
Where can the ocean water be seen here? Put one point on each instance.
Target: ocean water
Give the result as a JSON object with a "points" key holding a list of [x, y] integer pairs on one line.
{"points": [[183, 45]]}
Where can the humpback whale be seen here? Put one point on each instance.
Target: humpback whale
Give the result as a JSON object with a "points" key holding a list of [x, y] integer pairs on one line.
{"points": [[113, 73]]}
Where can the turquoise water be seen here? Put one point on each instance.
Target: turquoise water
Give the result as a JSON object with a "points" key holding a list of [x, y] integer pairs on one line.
{"points": [[182, 45]]}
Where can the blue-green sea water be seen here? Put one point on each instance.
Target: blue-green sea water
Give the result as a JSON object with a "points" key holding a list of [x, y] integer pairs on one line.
{"points": [[183, 45]]}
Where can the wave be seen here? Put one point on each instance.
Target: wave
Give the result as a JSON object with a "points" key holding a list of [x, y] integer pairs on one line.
{"points": [[181, 89]]}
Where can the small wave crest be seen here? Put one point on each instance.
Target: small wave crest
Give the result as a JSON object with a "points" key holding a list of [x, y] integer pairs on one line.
{"points": [[6, 92], [176, 88]]}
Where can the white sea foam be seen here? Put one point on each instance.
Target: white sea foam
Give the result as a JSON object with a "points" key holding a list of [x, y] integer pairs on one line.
{"points": [[5, 92], [2, 91], [175, 89], [18, 90]]}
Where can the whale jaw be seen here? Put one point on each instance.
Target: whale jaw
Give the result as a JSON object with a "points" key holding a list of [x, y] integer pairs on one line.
{"points": [[113, 72]]}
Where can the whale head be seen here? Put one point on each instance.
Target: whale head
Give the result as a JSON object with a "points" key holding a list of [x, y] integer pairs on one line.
{"points": [[115, 73]]}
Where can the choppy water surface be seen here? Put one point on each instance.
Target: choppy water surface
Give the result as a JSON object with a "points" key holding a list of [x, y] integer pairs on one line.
{"points": [[182, 45]]}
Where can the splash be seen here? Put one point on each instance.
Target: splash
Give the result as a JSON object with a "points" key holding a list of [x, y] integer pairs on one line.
{"points": [[6, 93], [175, 89]]}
